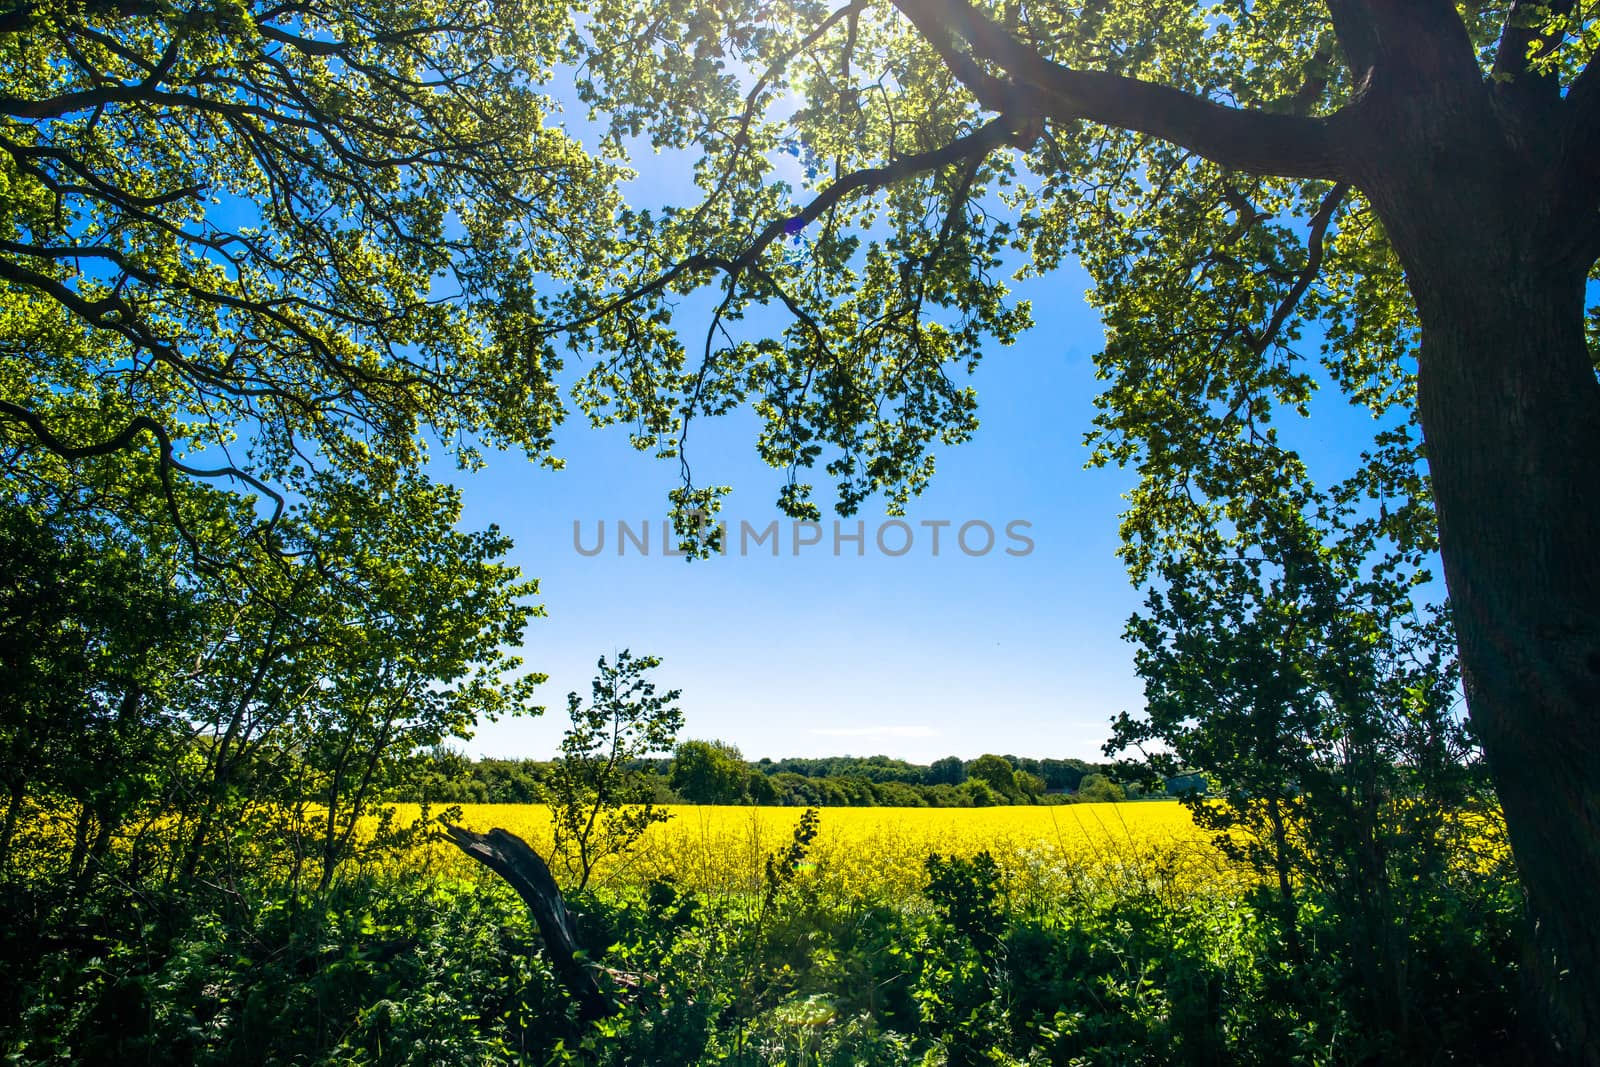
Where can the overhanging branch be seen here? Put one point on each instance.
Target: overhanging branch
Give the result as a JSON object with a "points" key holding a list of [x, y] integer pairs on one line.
{"points": [[1522, 42], [166, 463], [975, 145], [1257, 142], [1315, 250]]}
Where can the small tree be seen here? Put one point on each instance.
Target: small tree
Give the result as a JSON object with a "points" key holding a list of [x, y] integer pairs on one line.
{"points": [[997, 773], [1029, 786], [601, 804], [1098, 789], [709, 772], [976, 793]]}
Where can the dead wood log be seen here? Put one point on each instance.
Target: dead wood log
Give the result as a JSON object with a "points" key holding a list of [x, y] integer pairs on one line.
{"points": [[511, 858]]}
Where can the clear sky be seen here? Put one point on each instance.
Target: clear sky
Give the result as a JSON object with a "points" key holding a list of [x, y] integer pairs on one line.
{"points": [[916, 656]]}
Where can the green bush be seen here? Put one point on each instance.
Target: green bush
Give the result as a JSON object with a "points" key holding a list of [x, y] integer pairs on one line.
{"points": [[420, 969]]}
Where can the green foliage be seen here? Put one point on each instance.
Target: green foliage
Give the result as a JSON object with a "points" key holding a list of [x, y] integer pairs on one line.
{"points": [[997, 773], [412, 969], [1302, 678], [978, 793], [247, 719], [297, 233], [782, 868], [448, 777], [708, 772], [94, 631], [270, 248], [947, 771], [966, 894], [874, 190], [957, 994], [600, 805], [1098, 789], [1029, 787], [376, 972], [414, 620]]}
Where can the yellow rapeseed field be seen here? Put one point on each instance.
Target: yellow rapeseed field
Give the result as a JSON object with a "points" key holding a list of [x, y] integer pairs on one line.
{"points": [[872, 851]]}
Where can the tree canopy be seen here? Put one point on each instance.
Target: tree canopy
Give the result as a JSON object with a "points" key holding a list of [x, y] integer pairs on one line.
{"points": [[259, 239], [281, 241], [1397, 201]]}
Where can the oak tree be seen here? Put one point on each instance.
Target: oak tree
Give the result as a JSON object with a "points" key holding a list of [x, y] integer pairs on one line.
{"points": [[1402, 200], [253, 239]]}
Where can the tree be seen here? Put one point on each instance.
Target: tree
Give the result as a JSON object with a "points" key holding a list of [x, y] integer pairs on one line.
{"points": [[976, 793], [1028, 785], [1301, 675], [708, 772], [93, 631], [289, 235], [995, 772], [600, 804], [1409, 181], [1063, 774], [950, 770], [762, 790], [1098, 789], [414, 621]]}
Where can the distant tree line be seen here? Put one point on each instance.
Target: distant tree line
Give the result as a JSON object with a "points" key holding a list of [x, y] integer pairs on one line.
{"points": [[715, 772]]}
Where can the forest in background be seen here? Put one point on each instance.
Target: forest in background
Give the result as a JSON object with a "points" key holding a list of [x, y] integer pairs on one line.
{"points": [[714, 772]]}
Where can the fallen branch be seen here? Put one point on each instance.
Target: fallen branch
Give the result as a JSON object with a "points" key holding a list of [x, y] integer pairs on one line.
{"points": [[511, 858]]}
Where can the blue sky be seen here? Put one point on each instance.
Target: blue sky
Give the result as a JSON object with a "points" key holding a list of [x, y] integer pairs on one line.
{"points": [[917, 657]]}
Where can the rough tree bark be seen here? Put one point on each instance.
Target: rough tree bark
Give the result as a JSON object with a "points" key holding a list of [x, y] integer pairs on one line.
{"points": [[1511, 414], [1531, 650], [1497, 245], [511, 858]]}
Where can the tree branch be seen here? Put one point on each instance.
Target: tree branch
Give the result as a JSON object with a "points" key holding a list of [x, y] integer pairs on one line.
{"points": [[976, 144], [980, 142], [1257, 142], [1315, 248], [167, 463], [1522, 43]]}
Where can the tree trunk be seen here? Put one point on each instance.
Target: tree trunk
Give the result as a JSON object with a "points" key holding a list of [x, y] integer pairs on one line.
{"points": [[1510, 412], [511, 858], [8, 829], [1478, 207], [80, 843], [99, 849], [1288, 906]]}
